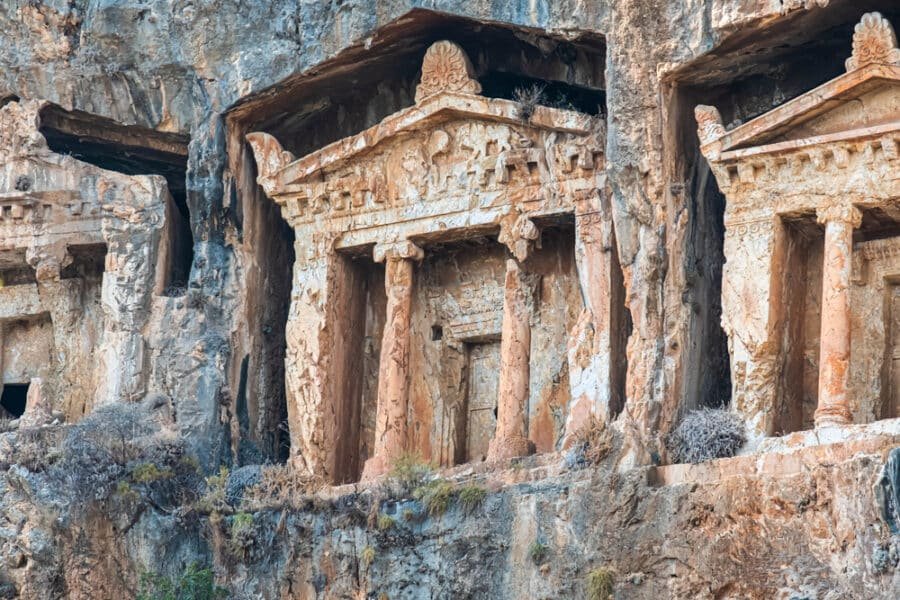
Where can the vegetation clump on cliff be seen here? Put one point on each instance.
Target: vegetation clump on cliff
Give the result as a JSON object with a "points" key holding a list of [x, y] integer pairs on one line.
{"points": [[706, 434]]}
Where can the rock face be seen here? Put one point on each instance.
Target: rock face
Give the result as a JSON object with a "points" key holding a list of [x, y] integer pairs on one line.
{"points": [[517, 240]]}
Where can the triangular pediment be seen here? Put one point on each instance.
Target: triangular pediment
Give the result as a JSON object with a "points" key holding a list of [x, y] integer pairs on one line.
{"points": [[863, 102], [854, 103], [439, 112]]}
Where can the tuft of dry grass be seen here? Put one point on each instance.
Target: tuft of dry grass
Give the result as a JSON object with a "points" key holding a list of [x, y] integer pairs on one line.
{"points": [[600, 584], [529, 98]]}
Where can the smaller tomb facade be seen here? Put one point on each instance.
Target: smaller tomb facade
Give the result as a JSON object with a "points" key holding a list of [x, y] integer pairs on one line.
{"points": [[78, 252], [812, 237]]}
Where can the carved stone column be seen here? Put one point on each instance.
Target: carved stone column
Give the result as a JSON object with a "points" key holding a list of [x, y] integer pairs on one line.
{"points": [[834, 348], [393, 371], [511, 436]]}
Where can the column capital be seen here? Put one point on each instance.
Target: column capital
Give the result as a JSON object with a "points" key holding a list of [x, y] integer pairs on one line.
{"points": [[397, 251], [839, 211], [518, 233]]}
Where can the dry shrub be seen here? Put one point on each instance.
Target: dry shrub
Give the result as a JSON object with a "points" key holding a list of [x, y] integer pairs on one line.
{"points": [[529, 98], [594, 440], [706, 434], [280, 486], [408, 472], [600, 584]]}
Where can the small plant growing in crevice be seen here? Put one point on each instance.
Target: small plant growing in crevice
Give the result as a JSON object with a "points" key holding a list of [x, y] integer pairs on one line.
{"points": [[385, 522], [408, 472], [471, 497], [436, 496], [529, 98], [600, 584], [367, 557], [214, 500], [706, 434], [538, 551], [149, 472], [241, 538]]}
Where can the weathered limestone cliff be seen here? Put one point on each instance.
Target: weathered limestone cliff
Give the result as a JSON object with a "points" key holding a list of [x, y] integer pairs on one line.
{"points": [[394, 299]]}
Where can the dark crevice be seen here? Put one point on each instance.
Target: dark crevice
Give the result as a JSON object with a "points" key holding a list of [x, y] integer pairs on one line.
{"points": [[13, 399]]}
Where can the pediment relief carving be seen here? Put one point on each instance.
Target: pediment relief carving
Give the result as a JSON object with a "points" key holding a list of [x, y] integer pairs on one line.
{"points": [[451, 144]]}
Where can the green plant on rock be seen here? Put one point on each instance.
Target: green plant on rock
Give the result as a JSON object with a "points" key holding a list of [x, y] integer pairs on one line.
{"points": [[214, 500], [436, 496], [407, 473], [471, 497], [241, 533], [368, 556], [148, 472], [194, 583], [538, 551], [384, 522], [600, 584], [126, 492]]}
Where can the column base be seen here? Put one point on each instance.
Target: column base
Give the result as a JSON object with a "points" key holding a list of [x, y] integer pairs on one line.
{"points": [[832, 416], [374, 468], [511, 447]]}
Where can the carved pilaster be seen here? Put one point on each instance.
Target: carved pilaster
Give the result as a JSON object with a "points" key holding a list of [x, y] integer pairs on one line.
{"points": [[510, 437]]}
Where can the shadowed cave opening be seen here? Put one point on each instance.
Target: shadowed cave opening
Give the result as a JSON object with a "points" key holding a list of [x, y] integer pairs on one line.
{"points": [[13, 399], [133, 150], [750, 73]]}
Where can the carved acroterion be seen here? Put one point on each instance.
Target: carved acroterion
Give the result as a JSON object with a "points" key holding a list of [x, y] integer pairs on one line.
{"points": [[446, 68], [874, 42]]}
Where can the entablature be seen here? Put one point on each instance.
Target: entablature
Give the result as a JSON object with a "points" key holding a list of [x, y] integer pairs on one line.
{"points": [[839, 139], [454, 162]]}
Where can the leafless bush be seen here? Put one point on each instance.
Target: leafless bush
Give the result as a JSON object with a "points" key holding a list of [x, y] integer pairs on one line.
{"points": [[121, 443], [706, 434], [529, 98], [34, 448], [279, 486]]}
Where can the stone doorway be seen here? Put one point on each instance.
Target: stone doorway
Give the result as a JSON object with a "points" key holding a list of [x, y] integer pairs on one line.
{"points": [[481, 397], [12, 401]]}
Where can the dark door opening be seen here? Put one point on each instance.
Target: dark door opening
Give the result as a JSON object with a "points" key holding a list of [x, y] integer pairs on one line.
{"points": [[13, 399]]}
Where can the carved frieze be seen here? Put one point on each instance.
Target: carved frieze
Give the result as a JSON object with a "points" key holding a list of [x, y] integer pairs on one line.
{"points": [[455, 160]]}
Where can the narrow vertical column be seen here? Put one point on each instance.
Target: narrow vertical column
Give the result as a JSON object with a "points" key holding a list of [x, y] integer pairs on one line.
{"points": [[834, 348], [511, 435], [393, 370]]}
